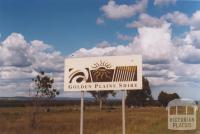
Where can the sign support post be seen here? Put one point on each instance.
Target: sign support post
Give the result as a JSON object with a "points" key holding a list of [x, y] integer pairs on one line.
{"points": [[82, 109], [123, 112]]}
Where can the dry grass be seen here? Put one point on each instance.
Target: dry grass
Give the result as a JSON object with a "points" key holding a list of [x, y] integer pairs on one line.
{"points": [[65, 120]]}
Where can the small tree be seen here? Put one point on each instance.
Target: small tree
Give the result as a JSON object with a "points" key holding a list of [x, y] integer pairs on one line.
{"points": [[44, 87], [139, 97], [101, 96], [164, 98]]}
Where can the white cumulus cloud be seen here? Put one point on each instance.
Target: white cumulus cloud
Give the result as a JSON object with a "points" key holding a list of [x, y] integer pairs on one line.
{"points": [[124, 37], [154, 44], [164, 2], [146, 20], [177, 18], [181, 18], [100, 21], [20, 61], [195, 20], [115, 11]]}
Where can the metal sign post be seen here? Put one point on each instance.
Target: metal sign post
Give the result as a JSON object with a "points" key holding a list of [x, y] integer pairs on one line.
{"points": [[123, 113], [82, 109]]}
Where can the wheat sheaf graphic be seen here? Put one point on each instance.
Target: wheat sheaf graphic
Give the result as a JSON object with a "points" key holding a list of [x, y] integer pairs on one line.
{"points": [[125, 73]]}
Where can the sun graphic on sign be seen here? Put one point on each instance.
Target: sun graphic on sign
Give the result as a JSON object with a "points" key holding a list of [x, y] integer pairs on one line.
{"points": [[102, 70]]}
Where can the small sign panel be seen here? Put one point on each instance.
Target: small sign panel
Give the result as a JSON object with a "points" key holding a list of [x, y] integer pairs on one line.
{"points": [[103, 73]]}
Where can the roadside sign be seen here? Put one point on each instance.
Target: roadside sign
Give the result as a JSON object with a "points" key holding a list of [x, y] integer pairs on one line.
{"points": [[103, 73]]}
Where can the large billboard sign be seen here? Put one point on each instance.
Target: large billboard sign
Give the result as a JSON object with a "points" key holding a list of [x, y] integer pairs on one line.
{"points": [[103, 73]]}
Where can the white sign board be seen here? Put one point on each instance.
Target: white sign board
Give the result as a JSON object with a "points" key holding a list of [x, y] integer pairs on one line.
{"points": [[103, 73]]}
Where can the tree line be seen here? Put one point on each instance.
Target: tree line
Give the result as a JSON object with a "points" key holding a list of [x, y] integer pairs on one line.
{"points": [[44, 89]]}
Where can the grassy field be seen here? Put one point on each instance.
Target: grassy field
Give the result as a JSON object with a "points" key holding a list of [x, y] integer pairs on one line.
{"points": [[65, 120]]}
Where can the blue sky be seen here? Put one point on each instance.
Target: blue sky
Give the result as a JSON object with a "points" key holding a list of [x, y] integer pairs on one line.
{"points": [[61, 28], [71, 24], [68, 25]]}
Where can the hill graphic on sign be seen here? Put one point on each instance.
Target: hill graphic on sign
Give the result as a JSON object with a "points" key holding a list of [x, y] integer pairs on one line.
{"points": [[102, 72]]}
